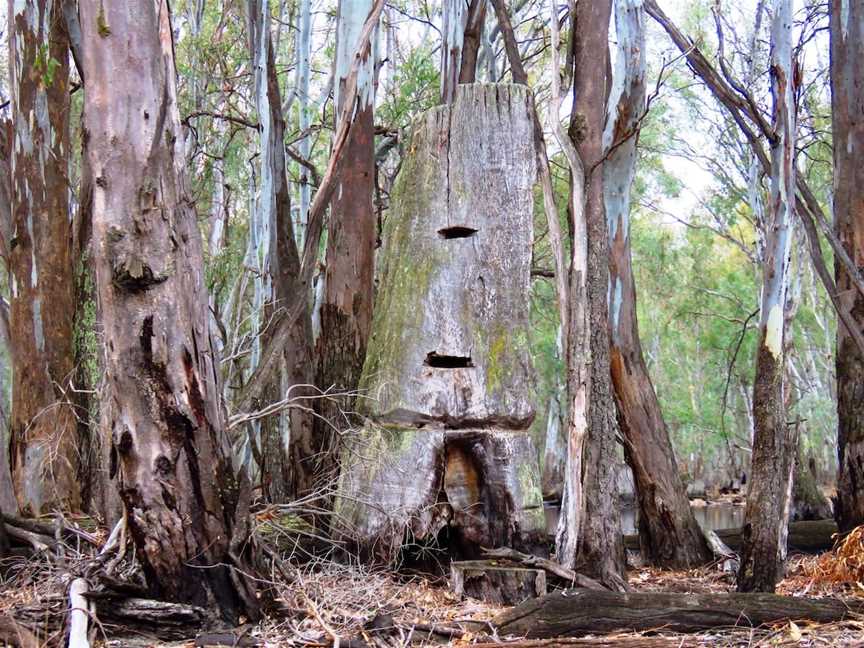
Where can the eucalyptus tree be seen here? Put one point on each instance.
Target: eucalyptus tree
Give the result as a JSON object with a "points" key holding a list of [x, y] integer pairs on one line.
{"points": [[668, 532], [596, 531], [41, 262], [7, 492], [847, 110], [186, 509], [346, 308], [774, 440], [286, 465]]}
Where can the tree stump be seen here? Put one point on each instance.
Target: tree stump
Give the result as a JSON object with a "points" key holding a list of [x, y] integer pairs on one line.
{"points": [[448, 379], [488, 581]]}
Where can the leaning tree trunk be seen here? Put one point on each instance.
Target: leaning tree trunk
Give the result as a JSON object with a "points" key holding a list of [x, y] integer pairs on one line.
{"points": [[446, 447], [43, 449], [601, 552], [668, 530], [187, 511], [287, 455], [346, 309], [774, 441], [847, 109]]}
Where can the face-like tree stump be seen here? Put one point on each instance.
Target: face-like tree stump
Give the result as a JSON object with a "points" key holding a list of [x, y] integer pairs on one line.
{"points": [[448, 380]]}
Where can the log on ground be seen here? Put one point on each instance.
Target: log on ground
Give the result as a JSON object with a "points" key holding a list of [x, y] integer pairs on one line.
{"points": [[579, 611], [808, 536]]}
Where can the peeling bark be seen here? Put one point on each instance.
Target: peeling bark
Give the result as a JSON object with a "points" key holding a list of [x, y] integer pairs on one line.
{"points": [[44, 431], [601, 552], [668, 530], [187, 511], [774, 440], [847, 105], [455, 17], [346, 308], [287, 454], [8, 503]]}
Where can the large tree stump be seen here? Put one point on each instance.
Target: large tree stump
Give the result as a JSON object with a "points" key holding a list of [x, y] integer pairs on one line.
{"points": [[448, 376], [580, 611]]}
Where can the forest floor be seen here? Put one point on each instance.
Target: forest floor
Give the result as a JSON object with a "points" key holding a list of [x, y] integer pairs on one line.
{"points": [[327, 602]]}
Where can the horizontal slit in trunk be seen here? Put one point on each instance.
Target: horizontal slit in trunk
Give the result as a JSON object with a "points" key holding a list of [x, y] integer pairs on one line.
{"points": [[448, 361], [457, 231]]}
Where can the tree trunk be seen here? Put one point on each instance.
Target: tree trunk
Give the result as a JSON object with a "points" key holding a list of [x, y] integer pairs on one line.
{"points": [[304, 55], [448, 373], [454, 19], [187, 510], [847, 110], [8, 504], [346, 310], [471, 41], [578, 611], [286, 454], [601, 552], [41, 262], [774, 440], [670, 535]]}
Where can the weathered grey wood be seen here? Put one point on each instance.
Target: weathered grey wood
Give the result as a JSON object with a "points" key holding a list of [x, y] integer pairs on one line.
{"points": [[462, 297], [448, 378], [159, 618], [571, 577], [495, 583], [578, 611]]}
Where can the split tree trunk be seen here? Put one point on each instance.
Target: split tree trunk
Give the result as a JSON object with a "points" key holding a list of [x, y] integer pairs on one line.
{"points": [[287, 454], [41, 263], [471, 40], [346, 309], [187, 511], [601, 552], [774, 440], [448, 373], [847, 109], [577, 612], [668, 530]]}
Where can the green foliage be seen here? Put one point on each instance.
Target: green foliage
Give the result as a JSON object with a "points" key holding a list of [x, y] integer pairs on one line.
{"points": [[44, 65], [415, 89]]}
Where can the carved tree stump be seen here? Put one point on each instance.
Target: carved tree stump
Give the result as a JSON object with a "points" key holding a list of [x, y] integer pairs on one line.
{"points": [[448, 376]]}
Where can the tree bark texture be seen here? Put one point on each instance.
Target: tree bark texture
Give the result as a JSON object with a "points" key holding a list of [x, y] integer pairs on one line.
{"points": [[600, 553], [847, 109], [471, 41], [670, 535], [578, 611], [774, 440], [346, 309], [286, 453], [448, 376], [8, 502], [187, 511], [44, 456], [454, 20]]}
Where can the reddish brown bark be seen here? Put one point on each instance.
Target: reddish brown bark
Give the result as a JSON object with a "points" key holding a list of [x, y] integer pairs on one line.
{"points": [[44, 456], [601, 552], [346, 310], [847, 104], [187, 511]]}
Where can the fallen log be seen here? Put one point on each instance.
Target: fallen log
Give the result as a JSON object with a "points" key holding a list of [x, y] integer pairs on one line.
{"points": [[579, 611], [79, 614], [159, 618], [807, 536], [597, 642]]}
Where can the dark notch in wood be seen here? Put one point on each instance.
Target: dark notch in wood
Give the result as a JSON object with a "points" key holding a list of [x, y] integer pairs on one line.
{"points": [[447, 361], [456, 232]]}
